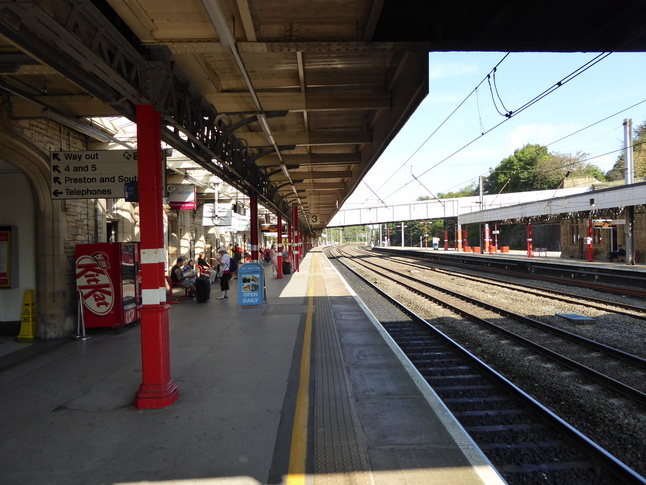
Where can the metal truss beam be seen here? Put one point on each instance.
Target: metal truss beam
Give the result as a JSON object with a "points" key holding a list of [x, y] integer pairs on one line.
{"points": [[81, 43]]}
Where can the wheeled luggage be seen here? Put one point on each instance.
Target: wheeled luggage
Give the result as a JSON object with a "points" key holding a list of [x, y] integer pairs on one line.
{"points": [[286, 267], [202, 289]]}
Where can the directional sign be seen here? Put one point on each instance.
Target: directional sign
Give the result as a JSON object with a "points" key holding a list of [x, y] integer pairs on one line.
{"points": [[97, 174]]}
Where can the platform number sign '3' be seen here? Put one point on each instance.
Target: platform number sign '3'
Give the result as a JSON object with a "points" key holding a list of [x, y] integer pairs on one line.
{"points": [[314, 219]]}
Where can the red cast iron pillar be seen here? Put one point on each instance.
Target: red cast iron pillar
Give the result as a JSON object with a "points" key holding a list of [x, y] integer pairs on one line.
{"points": [[290, 245], [157, 389], [530, 246], [297, 261], [487, 239], [589, 241], [253, 209], [280, 247]]}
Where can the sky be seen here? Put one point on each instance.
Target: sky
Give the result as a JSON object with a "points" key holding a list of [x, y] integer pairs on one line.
{"points": [[457, 133]]}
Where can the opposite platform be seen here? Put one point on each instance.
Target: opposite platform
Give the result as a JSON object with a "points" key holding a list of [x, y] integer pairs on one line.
{"points": [[302, 389]]}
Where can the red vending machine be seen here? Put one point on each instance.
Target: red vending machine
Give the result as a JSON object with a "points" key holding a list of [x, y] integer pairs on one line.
{"points": [[108, 283]]}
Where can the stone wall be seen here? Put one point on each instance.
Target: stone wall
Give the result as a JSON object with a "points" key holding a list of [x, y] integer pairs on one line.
{"points": [[575, 231]]}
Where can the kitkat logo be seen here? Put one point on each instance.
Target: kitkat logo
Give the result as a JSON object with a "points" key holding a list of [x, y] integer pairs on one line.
{"points": [[94, 283]]}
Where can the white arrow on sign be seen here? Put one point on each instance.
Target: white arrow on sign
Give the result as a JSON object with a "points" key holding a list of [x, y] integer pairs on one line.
{"points": [[92, 174]]}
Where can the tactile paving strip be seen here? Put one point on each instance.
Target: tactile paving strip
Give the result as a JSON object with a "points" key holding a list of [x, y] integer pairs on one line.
{"points": [[339, 449]]}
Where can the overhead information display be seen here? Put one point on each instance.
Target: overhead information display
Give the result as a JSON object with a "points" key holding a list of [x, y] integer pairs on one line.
{"points": [[95, 174]]}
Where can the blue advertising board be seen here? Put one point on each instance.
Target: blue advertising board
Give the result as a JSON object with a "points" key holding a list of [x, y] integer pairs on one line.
{"points": [[251, 284]]}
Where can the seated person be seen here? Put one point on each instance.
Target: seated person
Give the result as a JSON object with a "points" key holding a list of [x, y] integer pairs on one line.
{"points": [[207, 268], [619, 252], [177, 276], [191, 271]]}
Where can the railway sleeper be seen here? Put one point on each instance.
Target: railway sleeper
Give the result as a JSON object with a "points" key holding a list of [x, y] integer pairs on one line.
{"points": [[488, 413], [461, 372]]}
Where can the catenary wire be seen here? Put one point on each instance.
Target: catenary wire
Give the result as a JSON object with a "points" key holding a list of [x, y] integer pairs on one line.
{"points": [[446, 119], [511, 114], [578, 131]]}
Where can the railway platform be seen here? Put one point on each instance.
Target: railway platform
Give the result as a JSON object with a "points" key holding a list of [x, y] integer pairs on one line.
{"points": [[543, 256], [302, 389], [625, 278]]}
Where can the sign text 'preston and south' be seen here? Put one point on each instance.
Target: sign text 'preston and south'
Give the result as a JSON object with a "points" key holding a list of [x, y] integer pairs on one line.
{"points": [[92, 174]]}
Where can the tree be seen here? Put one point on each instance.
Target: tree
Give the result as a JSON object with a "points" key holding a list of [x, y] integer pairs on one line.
{"points": [[552, 171], [617, 172], [533, 167], [468, 191], [517, 172]]}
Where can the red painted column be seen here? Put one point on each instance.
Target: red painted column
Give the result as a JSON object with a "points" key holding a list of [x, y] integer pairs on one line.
{"points": [[290, 245], [590, 250], [280, 247], [253, 209], [446, 240], [157, 389], [297, 260], [487, 239], [530, 247]]}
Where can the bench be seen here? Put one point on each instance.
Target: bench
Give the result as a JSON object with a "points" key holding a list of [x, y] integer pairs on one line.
{"points": [[541, 251], [174, 284]]}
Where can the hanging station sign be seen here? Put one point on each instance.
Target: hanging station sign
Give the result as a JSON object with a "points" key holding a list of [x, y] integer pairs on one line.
{"points": [[182, 197], [98, 174]]}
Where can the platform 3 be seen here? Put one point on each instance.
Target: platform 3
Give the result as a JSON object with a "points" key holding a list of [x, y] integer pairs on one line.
{"points": [[302, 389]]}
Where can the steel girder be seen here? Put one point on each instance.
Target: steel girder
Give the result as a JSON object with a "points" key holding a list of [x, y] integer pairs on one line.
{"points": [[85, 45]]}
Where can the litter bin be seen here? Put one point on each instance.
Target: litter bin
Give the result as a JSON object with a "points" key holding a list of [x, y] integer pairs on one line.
{"points": [[286, 267]]}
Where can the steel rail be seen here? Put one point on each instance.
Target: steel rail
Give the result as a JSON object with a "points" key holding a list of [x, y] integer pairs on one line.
{"points": [[536, 290], [594, 286], [599, 456], [603, 379]]}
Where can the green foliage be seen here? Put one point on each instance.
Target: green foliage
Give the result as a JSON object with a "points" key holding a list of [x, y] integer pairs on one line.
{"points": [[414, 232], [516, 173], [533, 167], [468, 191], [349, 234]]}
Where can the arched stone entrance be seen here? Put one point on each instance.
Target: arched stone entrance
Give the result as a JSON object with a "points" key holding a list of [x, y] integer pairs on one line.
{"points": [[55, 304]]}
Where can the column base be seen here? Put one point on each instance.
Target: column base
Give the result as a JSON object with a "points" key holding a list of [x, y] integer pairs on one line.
{"points": [[156, 396]]}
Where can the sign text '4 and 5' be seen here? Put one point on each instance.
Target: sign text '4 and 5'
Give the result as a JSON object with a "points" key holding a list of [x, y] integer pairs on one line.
{"points": [[92, 174]]}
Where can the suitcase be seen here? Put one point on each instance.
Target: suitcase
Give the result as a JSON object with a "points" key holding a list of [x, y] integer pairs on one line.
{"points": [[286, 267], [202, 289]]}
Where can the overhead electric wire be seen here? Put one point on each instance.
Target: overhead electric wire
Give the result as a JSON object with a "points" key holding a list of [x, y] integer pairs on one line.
{"points": [[597, 122], [385, 205], [447, 118], [511, 114], [493, 99]]}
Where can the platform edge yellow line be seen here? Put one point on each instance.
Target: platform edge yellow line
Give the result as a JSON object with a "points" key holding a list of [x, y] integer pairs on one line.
{"points": [[298, 450]]}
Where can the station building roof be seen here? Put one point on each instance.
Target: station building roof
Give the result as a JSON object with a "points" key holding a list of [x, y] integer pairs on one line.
{"points": [[599, 203]]}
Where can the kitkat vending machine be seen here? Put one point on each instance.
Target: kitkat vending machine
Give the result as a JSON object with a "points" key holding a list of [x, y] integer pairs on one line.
{"points": [[108, 283]]}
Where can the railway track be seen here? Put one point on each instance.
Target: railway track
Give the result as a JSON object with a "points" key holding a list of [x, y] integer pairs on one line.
{"points": [[604, 355], [526, 441], [634, 311], [561, 273]]}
